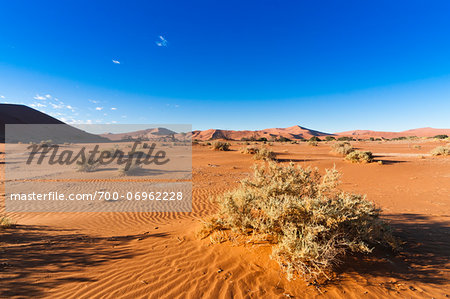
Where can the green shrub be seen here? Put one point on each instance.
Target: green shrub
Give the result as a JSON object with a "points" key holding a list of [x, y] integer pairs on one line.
{"points": [[345, 138], [264, 154], [220, 146], [330, 138], [314, 138], [359, 157], [311, 224], [342, 148], [441, 151]]}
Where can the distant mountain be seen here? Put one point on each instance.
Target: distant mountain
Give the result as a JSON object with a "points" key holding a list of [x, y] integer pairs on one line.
{"points": [[148, 134], [44, 129], [420, 132], [293, 133]]}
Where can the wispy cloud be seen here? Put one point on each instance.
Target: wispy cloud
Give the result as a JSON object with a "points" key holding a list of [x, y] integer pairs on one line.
{"points": [[99, 108], [116, 61], [162, 42], [37, 105], [93, 101], [2, 97], [38, 97], [48, 96], [113, 108]]}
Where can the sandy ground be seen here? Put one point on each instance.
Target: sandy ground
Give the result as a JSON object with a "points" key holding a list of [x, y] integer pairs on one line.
{"points": [[157, 255]]}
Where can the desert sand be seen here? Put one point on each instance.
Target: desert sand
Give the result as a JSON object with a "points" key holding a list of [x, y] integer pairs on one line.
{"points": [[158, 255]]}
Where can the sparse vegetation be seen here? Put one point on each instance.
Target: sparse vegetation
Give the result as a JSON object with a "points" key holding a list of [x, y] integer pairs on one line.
{"points": [[315, 138], [360, 157], [220, 146], [441, 151], [6, 222], [311, 224], [251, 150], [87, 166], [134, 169], [330, 138], [342, 148], [264, 154], [313, 143], [442, 136]]}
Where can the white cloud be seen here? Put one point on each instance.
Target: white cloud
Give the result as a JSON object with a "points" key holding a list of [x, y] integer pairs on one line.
{"points": [[113, 108], [2, 97], [38, 97], [57, 106], [48, 96], [116, 61], [99, 108], [162, 42], [37, 105], [69, 107], [92, 101]]}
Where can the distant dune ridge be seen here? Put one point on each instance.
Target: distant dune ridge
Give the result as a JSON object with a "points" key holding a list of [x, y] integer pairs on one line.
{"points": [[421, 132], [21, 114], [293, 133], [148, 134]]}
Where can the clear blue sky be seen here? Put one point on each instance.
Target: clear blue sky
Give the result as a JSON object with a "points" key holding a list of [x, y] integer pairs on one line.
{"points": [[326, 65]]}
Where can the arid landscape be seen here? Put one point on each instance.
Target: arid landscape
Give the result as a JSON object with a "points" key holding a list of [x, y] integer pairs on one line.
{"points": [[160, 254], [224, 149]]}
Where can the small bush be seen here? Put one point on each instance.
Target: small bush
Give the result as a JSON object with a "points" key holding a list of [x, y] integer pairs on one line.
{"points": [[342, 148], [441, 151], [313, 143], [6, 222], [442, 136], [314, 138], [417, 146], [132, 170], [220, 146], [360, 157], [264, 154], [251, 150], [86, 166], [311, 224], [330, 138]]}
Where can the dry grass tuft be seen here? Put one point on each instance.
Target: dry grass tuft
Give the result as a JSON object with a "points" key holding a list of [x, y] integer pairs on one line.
{"points": [[310, 223], [441, 151], [342, 148], [220, 146], [359, 157], [134, 169]]}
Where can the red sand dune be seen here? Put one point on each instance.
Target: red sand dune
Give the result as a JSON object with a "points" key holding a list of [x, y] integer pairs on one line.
{"points": [[421, 132], [293, 133]]}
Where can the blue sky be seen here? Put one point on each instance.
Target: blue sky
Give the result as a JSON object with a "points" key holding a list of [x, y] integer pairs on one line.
{"points": [[326, 65]]}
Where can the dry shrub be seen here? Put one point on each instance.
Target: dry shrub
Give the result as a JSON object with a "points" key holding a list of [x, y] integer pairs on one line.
{"points": [[259, 153], [134, 169], [313, 143], [342, 148], [220, 146], [441, 151], [359, 157], [6, 222], [311, 224], [251, 150], [265, 154], [87, 166]]}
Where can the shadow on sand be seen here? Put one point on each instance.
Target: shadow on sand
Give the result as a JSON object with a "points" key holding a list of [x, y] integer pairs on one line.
{"points": [[423, 257], [30, 252]]}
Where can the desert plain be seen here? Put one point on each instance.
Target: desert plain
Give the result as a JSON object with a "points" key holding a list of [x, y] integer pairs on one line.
{"points": [[160, 255]]}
